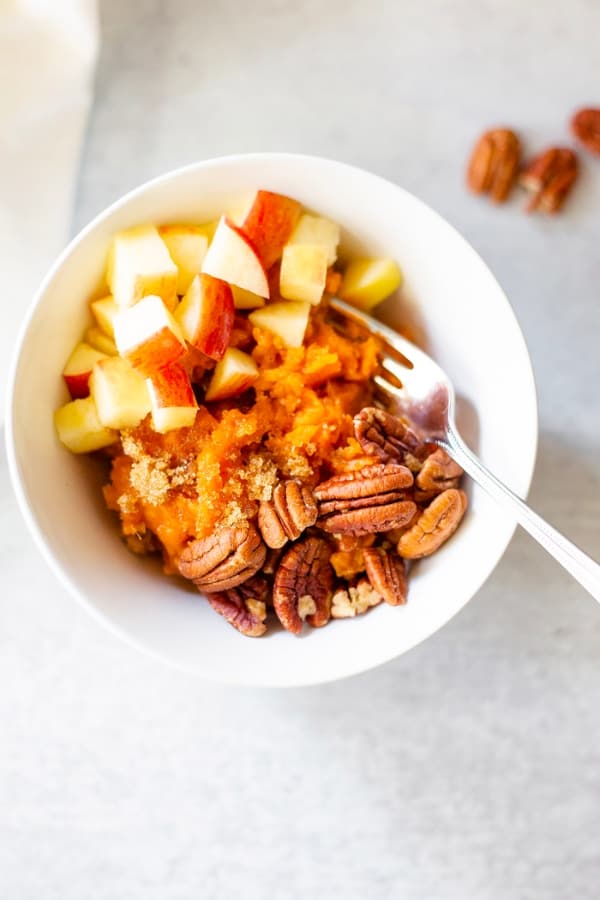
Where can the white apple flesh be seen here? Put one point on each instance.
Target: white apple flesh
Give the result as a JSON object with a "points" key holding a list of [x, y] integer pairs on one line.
{"points": [[119, 393], [139, 265], [232, 258], [303, 272], [172, 399], [287, 320], [233, 375], [148, 335], [78, 369], [79, 428]]}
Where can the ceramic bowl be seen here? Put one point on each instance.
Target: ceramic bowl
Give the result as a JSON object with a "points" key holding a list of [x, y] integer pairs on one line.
{"points": [[469, 327]]}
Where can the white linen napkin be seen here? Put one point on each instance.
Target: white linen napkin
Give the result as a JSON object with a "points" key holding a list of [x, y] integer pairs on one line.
{"points": [[48, 50]]}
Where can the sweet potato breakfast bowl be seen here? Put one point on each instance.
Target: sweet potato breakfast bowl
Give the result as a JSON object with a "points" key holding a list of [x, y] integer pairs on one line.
{"points": [[448, 299]]}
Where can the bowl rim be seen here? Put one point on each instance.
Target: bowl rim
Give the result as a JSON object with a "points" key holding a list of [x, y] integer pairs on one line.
{"points": [[35, 530]]}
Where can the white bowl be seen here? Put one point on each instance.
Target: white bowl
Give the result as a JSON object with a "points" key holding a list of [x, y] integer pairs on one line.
{"points": [[471, 331]]}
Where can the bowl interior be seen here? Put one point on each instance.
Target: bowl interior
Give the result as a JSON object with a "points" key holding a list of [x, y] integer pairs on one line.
{"points": [[469, 328]]}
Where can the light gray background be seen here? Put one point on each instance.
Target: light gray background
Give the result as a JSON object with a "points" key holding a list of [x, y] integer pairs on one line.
{"points": [[470, 767]]}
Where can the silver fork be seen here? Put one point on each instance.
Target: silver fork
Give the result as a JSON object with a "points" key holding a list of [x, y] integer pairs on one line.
{"points": [[423, 392]]}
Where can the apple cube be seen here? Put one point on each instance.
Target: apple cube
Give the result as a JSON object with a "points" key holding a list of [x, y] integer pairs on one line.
{"points": [[233, 375], [120, 393], [148, 335], [138, 265], [172, 399], [187, 246], [78, 369], [246, 299], [206, 315], [303, 272], [100, 341], [268, 220], [287, 320], [79, 428], [231, 257], [104, 312], [367, 282], [317, 230]]}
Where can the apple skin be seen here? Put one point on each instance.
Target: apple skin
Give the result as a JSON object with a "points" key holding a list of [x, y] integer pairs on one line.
{"points": [[172, 399], [233, 375], [268, 224], [233, 258], [148, 336], [78, 369], [206, 315]]}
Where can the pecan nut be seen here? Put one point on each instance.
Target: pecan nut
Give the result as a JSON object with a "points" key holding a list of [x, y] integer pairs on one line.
{"points": [[304, 585], [494, 164], [367, 501], [434, 526], [244, 606], [290, 511], [383, 435], [438, 473], [386, 572], [549, 178], [585, 125], [354, 600], [224, 559]]}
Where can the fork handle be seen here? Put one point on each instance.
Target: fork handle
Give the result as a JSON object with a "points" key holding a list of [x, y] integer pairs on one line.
{"points": [[574, 560]]}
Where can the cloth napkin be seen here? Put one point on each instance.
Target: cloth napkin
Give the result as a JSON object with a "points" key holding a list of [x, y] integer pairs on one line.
{"points": [[48, 51]]}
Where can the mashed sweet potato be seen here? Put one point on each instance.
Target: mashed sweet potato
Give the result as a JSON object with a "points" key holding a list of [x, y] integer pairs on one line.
{"points": [[295, 423]]}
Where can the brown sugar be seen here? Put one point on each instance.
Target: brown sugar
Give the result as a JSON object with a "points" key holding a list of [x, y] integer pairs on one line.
{"points": [[186, 483]]}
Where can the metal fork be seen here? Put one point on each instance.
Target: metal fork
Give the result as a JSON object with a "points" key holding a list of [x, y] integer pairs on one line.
{"points": [[423, 393]]}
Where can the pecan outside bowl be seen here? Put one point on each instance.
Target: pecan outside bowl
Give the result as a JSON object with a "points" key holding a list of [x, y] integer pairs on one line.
{"points": [[449, 295]]}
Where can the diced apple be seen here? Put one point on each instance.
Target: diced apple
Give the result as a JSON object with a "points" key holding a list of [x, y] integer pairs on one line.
{"points": [[268, 220], [104, 312], [367, 282], [246, 299], [148, 336], [79, 428], [100, 341], [303, 272], [317, 230], [233, 375], [287, 320], [78, 369], [172, 399], [232, 258], [139, 265], [187, 246], [120, 393], [206, 315]]}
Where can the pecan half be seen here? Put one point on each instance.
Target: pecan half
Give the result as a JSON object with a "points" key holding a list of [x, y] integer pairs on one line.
{"points": [[386, 572], [438, 473], [383, 435], [434, 526], [224, 559], [244, 606], [303, 585], [494, 164], [585, 125], [354, 599], [291, 510], [366, 501], [549, 178]]}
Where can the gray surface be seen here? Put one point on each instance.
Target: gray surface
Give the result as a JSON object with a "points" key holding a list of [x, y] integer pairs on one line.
{"points": [[470, 767]]}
